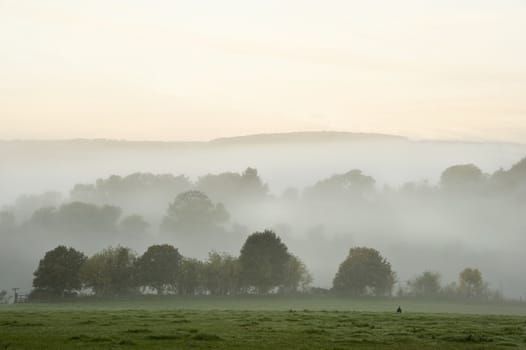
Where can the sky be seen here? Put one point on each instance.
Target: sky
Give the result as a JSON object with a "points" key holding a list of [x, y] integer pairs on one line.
{"points": [[198, 70]]}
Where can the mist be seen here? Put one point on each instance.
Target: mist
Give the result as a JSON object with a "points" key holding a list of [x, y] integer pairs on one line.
{"points": [[322, 193]]}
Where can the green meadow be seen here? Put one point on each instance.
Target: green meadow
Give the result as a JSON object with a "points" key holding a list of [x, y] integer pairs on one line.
{"points": [[262, 323]]}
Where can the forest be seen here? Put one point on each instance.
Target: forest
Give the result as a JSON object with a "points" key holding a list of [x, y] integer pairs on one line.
{"points": [[196, 242]]}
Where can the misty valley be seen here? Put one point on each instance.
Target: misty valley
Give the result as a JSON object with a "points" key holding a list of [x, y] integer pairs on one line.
{"points": [[230, 233], [259, 175]]}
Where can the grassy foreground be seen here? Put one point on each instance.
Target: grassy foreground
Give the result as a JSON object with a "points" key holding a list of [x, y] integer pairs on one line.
{"points": [[194, 324]]}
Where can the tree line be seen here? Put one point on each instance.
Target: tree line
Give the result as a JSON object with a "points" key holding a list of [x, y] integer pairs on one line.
{"points": [[202, 215], [264, 266], [107, 199], [470, 285]]}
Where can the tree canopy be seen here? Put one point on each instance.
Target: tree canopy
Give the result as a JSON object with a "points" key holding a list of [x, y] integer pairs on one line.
{"points": [[58, 271], [158, 267], [350, 185], [221, 274], [427, 284], [263, 259], [193, 211], [297, 276], [190, 277], [230, 187], [109, 272], [77, 217], [121, 191], [471, 283], [461, 177], [364, 271]]}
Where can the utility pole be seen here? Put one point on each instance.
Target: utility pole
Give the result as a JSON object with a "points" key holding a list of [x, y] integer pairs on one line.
{"points": [[15, 300]]}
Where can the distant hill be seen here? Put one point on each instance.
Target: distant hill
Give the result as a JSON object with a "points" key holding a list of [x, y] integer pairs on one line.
{"points": [[307, 137], [296, 159], [291, 137]]}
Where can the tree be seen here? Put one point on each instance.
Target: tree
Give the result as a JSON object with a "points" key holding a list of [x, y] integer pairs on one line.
{"points": [[110, 272], [297, 276], [230, 187], [44, 218], [471, 283], [512, 179], [193, 211], [131, 191], [77, 217], [351, 185], [84, 217], [364, 271], [221, 274], [461, 177], [450, 290], [158, 267], [263, 260], [58, 271], [427, 284], [190, 277]]}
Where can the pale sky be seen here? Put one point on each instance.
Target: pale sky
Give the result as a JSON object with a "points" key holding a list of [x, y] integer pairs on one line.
{"points": [[201, 69]]}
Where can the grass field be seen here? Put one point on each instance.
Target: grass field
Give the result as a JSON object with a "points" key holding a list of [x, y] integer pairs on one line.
{"points": [[261, 323]]}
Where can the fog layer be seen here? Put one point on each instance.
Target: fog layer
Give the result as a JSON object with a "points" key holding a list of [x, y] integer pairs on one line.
{"points": [[322, 195]]}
